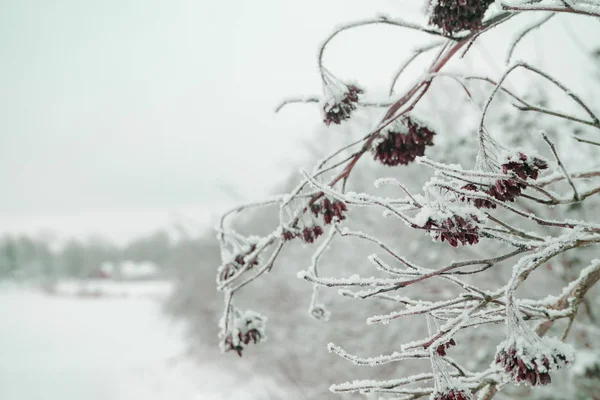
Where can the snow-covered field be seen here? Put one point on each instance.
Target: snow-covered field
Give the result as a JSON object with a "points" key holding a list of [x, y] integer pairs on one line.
{"points": [[115, 347]]}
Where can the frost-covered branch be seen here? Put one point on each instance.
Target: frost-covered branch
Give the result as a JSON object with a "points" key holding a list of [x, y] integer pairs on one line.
{"points": [[457, 232]]}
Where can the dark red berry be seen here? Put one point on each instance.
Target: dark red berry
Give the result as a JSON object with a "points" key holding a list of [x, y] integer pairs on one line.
{"points": [[337, 112], [402, 143], [525, 367], [524, 167], [457, 15], [454, 230]]}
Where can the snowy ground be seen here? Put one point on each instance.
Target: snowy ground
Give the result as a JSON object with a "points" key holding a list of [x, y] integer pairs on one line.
{"points": [[69, 347]]}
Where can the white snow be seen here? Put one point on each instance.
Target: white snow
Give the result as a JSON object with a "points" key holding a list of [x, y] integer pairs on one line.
{"points": [[103, 288], [104, 348]]}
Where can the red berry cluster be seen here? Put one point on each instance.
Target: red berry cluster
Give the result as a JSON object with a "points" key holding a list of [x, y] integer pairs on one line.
{"points": [[242, 339], [441, 349], [509, 189], [453, 394], [288, 235], [506, 189], [337, 112], [524, 167], [403, 143], [503, 190], [458, 15], [455, 229], [332, 211], [308, 234], [229, 269], [527, 370], [479, 203]]}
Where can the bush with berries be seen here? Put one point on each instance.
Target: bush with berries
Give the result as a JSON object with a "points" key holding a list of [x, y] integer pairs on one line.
{"points": [[502, 205]]}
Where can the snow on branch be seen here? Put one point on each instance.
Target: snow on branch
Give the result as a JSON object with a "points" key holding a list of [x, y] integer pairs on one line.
{"points": [[445, 255], [589, 8]]}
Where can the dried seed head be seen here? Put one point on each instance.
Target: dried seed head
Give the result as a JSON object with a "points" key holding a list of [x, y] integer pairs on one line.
{"points": [[229, 269], [452, 394], [477, 202], [404, 141], [454, 230], [341, 103], [524, 167], [532, 362], [288, 235], [332, 210], [245, 327], [517, 162], [509, 189], [310, 234], [307, 228], [506, 189], [526, 357], [441, 349], [457, 15]]}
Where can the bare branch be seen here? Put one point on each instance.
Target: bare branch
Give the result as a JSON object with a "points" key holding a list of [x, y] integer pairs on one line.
{"points": [[524, 33], [587, 141], [416, 53], [562, 166]]}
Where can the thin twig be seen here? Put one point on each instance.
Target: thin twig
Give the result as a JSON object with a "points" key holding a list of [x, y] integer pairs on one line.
{"points": [[379, 20], [561, 166], [530, 7], [317, 100], [416, 53], [586, 141], [525, 32]]}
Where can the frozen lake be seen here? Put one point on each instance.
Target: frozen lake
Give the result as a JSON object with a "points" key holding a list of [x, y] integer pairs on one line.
{"points": [[116, 348]]}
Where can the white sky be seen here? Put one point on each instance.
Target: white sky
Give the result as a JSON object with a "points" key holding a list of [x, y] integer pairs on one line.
{"points": [[114, 113]]}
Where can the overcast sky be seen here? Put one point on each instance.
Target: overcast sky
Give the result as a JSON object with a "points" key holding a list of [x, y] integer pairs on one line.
{"points": [[142, 107], [143, 104]]}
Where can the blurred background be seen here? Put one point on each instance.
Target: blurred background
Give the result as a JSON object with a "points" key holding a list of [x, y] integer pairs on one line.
{"points": [[127, 127]]}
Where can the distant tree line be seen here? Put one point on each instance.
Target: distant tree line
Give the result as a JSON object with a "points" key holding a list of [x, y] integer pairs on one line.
{"points": [[39, 257]]}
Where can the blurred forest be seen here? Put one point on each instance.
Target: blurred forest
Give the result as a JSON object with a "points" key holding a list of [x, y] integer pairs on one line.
{"points": [[40, 258]]}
